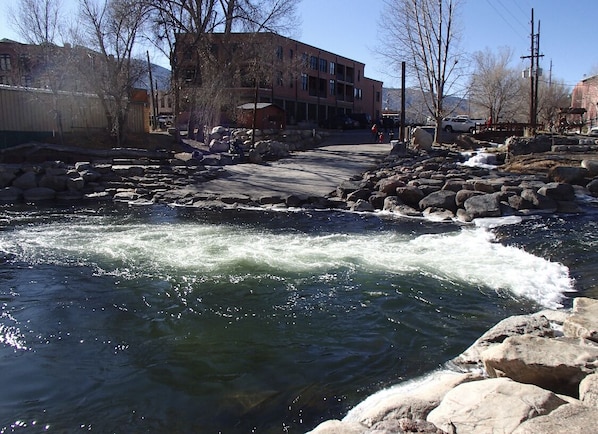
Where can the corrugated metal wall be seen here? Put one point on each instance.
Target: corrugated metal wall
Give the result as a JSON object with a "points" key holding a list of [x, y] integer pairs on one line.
{"points": [[23, 109]]}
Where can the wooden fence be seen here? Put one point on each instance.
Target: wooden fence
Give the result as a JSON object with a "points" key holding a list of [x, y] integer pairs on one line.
{"points": [[26, 110]]}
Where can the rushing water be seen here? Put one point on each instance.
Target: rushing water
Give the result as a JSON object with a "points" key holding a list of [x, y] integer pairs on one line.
{"points": [[236, 321]]}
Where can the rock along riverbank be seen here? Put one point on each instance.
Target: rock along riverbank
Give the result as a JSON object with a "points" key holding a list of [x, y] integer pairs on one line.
{"points": [[529, 374]]}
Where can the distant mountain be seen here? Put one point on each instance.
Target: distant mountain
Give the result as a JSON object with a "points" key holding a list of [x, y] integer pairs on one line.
{"points": [[161, 77], [416, 111]]}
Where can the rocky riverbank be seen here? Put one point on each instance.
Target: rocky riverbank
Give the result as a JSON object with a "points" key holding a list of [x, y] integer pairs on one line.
{"points": [[38, 172], [529, 374], [436, 184], [538, 176]]}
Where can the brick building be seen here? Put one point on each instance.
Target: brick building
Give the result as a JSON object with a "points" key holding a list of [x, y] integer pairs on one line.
{"points": [[45, 66], [585, 96], [312, 85]]}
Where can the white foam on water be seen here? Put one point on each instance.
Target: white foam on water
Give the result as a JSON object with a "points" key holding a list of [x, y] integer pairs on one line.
{"points": [[428, 382], [470, 255]]}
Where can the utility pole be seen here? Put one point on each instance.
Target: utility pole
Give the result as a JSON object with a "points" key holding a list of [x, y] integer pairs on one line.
{"points": [[152, 96], [534, 72], [403, 104]]}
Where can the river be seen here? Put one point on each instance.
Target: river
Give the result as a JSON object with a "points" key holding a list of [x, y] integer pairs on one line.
{"points": [[174, 320]]}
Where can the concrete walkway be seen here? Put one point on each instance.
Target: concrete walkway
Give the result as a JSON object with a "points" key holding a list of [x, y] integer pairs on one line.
{"points": [[316, 172]]}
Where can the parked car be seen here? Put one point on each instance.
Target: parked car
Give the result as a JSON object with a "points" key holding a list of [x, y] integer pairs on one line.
{"points": [[461, 124], [593, 131], [343, 122], [364, 120]]}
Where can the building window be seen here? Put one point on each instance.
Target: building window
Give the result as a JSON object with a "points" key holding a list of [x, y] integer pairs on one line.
{"points": [[304, 59], [291, 54], [26, 81], [5, 62], [279, 52], [279, 78], [332, 68], [332, 87], [323, 65], [358, 93], [189, 75], [304, 82], [377, 96], [313, 62], [4, 79]]}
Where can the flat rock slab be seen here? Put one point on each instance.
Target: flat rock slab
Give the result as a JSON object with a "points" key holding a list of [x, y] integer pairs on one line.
{"points": [[316, 172]]}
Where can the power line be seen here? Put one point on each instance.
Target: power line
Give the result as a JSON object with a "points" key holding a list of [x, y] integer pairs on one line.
{"points": [[515, 17], [508, 23], [517, 4]]}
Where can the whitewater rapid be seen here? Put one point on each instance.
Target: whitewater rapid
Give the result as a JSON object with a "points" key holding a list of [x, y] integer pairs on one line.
{"points": [[471, 255]]}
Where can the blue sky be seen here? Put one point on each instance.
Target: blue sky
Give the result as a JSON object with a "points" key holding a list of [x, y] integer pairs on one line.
{"points": [[568, 35], [350, 28]]}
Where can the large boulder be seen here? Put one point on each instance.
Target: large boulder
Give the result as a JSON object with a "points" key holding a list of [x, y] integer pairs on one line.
{"points": [[10, 194], [568, 175], [526, 145], [347, 187], [588, 391], [218, 146], [539, 201], [553, 364], [7, 175], [558, 191], [591, 166], [533, 325], [463, 195], [568, 418], [334, 426], [390, 184], [75, 184], [414, 402], [278, 149], [444, 199], [55, 182], [410, 194], [485, 205], [496, 405], [593, 186], [26, 181], [421, 140], [583, 322]]}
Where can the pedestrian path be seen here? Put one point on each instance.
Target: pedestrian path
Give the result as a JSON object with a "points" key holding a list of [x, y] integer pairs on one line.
{"points": [[315, 172]]}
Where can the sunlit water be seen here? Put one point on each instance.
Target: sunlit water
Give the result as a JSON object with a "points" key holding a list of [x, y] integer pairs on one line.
{"points": [[179, 321]]}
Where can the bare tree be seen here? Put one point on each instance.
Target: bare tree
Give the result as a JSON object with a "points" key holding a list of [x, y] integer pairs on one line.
{"points": [[110, 28], [552, 97], [37, 21], [189, 21], [495, 87], [202, 91], [423, 34]]}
